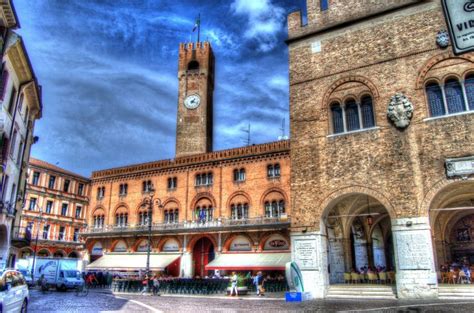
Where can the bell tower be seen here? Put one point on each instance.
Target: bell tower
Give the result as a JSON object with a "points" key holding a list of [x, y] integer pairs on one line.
{"points": [[196, 88]]}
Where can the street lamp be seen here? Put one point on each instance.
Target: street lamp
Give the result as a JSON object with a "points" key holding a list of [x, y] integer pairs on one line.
{"points": [[150, 201], [36, 242]]}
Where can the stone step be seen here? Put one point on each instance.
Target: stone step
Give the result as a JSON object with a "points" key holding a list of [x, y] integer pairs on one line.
{"points": [[361, 291], [368, 297]]}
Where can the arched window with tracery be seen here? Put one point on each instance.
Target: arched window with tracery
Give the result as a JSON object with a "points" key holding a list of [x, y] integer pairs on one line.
{"points": [[454, 96], [239, 211], [98, 219], [435, 99], [204, 213], [274, 205], [354, 115], [143, 217], [171, 216], [469, 88], [121, 217]]}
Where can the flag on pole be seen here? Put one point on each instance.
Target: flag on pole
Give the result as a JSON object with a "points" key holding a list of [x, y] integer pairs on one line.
{"points": [[197, 24]]}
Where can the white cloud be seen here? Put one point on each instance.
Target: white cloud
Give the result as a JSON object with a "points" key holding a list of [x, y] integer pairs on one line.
{"points": [[265, 21]]}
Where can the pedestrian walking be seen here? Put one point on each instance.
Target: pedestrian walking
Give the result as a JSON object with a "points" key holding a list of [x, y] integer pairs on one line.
{"points": [[233, 288], [156, 286], [259, 284]]}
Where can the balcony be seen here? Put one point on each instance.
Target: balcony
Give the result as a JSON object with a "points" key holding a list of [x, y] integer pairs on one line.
{"points": [[221, 224], [21, 237], [7, 208]]}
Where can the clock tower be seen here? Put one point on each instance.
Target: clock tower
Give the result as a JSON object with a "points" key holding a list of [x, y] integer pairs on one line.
{"points": [[196, 88]]}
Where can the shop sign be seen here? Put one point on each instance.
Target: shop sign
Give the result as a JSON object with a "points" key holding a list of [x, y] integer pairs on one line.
{"points": [[121, 246], [240, 243], [460, 19], [97, 249], [276, 243], [143, 246], [462, 167], [171, 245]]}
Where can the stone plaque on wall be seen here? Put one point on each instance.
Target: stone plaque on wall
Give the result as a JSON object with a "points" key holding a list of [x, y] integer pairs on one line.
{"points": [[305, 253], [462, 167], [413, 250]]}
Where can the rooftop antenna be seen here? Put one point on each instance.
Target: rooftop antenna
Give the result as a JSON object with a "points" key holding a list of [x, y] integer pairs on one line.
{"points": [[282, 128], [247, 140]]}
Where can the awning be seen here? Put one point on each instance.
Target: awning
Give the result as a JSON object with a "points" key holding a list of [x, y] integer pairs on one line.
{"points": [[250, 261], [132, 262]]}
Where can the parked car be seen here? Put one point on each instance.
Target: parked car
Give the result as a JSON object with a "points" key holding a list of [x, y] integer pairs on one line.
{"points": [[14, 295]]}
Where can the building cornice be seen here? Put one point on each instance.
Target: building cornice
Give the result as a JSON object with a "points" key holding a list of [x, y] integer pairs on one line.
{"points": [[206, 160], [8, 14]]}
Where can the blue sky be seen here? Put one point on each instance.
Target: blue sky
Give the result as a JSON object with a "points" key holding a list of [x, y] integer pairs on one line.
{"points": [[109, 74]]}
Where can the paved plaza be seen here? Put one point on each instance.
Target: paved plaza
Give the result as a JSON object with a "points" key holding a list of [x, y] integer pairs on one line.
{"points": [[106, 302]]}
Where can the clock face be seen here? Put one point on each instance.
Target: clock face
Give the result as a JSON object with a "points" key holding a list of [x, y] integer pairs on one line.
{"points": [[192, 101]]}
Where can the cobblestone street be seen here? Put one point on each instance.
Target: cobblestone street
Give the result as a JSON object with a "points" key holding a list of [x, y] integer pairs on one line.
{"points": [[102, 302]]}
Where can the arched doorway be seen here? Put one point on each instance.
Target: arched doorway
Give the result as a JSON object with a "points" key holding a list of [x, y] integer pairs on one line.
{"points": [[359, 239], [203, 253], [44, 253], [452, 222]]}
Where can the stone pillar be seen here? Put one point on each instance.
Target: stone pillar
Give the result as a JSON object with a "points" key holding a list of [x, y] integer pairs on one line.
{"points": [[347, 254], [414, 258], [187, 267], [309, 251]]}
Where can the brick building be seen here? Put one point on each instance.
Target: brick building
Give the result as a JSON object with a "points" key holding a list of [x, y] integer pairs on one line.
{"points": [[55, 211], [382, 143], [223, 210]]}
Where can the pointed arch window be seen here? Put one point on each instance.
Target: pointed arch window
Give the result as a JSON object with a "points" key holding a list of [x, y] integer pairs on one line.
{"points": [[454, 96], [435, 99], [240, 211], [274, 208]]}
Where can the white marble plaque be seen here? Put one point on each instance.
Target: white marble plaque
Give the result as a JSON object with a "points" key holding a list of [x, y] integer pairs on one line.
{"points": [[305, 252], [413, 250]]}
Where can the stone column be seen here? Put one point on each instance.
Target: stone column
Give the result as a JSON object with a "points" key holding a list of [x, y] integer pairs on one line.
{"points": [[347, 254], [414, 258], [309, 251]]}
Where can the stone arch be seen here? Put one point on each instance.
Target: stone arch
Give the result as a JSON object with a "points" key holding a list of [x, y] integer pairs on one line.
{"points": [[203, 195], [235, 195], [330, 199], [264, 196], [137, 243], [121, 207], [231, 238], [436, 190], [266, 236], [165, 239], [171, 200], [422, 76], [193, 241], [354, 78], [117, 241], [96, 211]]}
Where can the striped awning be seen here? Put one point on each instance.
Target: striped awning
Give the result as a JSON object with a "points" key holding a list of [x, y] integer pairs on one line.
{"points": [[250, 261], [132, 262]]}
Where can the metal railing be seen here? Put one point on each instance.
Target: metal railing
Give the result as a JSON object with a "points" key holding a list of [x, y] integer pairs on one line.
{"points": [[187, 225]]}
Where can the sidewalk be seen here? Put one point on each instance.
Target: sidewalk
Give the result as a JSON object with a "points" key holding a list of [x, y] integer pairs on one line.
{"points": [[274, 296]]}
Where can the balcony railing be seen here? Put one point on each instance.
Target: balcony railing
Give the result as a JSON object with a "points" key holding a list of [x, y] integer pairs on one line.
{"points": [[191, 225]]}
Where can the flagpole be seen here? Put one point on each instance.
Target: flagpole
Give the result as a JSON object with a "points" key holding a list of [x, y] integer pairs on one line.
{"points": [[199, 26]]}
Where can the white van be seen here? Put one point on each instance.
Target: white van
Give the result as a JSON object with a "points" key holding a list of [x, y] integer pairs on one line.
{"points": [[14, 293]]}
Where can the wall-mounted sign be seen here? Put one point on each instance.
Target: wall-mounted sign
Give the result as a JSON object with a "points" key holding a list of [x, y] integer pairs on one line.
{"points": [[460, 19], [240, 243], [462, 167], [97, 249], [276, 242], [171, 245], [121, 246], [143, 246]]}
